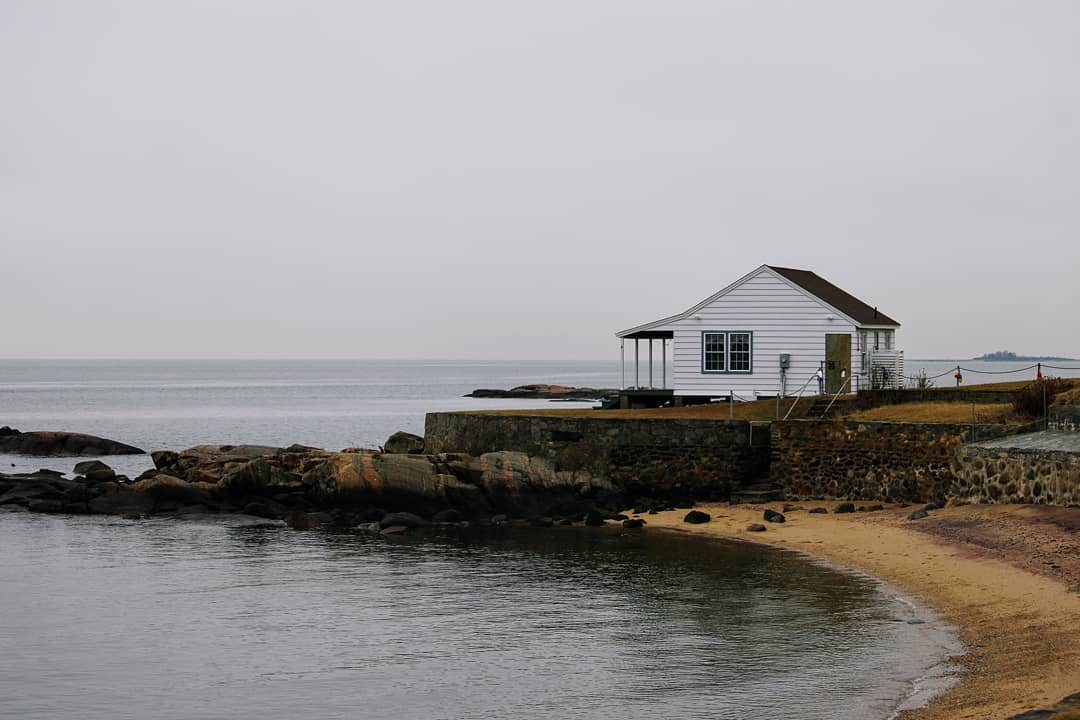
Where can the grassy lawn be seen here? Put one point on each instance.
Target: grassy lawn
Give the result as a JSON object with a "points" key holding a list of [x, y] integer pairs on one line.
{"points": [[1010, 386], [943, 412], [756, 410], [762, 410]]}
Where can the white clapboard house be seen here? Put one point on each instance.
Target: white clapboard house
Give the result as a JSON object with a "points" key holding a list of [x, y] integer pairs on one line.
{"points": [[766, 334]]}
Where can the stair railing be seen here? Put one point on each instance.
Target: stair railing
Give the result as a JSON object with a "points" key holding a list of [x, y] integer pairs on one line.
{"points": [[846, 383], [798, 395]]}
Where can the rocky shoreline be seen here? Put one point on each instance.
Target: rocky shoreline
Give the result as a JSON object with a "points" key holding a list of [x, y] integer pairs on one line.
{"points": [[397, 488], [545, 392]]}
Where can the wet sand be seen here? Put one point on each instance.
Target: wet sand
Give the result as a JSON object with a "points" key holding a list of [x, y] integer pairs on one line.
{"points": [[1007, 575]]}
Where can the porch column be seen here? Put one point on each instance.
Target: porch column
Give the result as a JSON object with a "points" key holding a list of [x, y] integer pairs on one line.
{"points": [[663, 362], [622, 363], [637, 364], [651, 386]]}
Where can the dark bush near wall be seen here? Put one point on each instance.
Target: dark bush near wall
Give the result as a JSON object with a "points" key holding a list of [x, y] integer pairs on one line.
{"points": [[1030, 400]]}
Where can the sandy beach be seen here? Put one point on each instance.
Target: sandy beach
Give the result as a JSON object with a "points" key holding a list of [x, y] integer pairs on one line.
{"points": [[1007, 576]]}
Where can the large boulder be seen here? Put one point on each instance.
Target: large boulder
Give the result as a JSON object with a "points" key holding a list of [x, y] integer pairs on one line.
{"points": [[697, 517], [524, 486], [164, 459], [773, 516], [166, 490], [94, 471], [403, 442], [61, 443]]}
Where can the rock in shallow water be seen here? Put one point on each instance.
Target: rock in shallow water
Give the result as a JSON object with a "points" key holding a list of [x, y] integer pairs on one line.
{"points": [[447, 516], [755, 527], [94, 471], [844, 507], [774, 517], [61, 443], [403, 519], [594, 519]]}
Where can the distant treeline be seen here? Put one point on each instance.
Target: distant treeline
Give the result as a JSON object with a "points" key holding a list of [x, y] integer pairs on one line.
{"points": [[1009, 355]]}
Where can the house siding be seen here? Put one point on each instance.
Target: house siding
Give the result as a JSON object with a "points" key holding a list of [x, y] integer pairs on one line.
{"points": [[782, 318]]}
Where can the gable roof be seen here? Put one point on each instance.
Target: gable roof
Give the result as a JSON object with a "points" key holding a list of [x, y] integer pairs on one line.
{"points": [[842, 300], [808, 282]]}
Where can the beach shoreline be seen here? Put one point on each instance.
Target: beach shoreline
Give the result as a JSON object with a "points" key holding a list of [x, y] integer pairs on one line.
{"points": [[1007, 577]]}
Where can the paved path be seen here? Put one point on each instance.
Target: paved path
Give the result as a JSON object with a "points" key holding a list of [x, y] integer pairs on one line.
{"points": [[1058, 440]]}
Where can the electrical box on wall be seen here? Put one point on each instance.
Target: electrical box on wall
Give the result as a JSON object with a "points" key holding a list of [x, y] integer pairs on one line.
{"points": [[785, 361]]}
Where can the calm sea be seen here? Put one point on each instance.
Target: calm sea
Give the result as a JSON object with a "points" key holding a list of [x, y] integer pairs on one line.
{"points": [[172, 405], [215, 618]]}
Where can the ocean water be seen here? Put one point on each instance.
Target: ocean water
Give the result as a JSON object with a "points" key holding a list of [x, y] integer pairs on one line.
{"points": [[109, 619], [213, 618], [172, 405]]}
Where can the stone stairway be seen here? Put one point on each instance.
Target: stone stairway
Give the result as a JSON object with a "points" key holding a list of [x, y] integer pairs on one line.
{"points": [[818, 409], [756, 493]]}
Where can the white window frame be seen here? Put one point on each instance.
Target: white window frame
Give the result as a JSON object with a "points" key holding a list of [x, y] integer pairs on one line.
{"points": [[727, 353]]}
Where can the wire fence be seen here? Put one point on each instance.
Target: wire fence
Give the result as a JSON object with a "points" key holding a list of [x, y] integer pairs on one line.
{"points": [[959, 371]]}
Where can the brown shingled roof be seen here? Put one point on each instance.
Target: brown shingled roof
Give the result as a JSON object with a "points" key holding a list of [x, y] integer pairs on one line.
{"points": [[843, 301]]}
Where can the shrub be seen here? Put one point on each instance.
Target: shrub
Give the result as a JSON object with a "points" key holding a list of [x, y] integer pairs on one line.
{"points": [[1028, 401]]}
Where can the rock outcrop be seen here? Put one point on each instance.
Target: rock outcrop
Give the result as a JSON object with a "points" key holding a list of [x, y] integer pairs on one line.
{"points": [[403, 442], [61, 443], [545, 392], [361, 485]]}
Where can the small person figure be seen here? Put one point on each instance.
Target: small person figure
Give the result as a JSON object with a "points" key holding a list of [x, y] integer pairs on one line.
{"points": [[820, 382]]}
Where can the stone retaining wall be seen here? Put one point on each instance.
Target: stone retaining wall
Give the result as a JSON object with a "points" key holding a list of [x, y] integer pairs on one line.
{"points": [[992, 475], [910, 462], [663, 458]]}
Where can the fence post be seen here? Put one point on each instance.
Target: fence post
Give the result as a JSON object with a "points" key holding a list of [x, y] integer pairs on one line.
{"points": [[972, 421], [1046, 416]]}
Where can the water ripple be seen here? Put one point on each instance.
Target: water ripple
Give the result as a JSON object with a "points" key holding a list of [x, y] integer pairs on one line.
{"points": [[201, 619]]}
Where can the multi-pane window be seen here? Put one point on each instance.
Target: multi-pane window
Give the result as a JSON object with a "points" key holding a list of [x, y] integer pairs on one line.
{"points": [[739, 352], [888, 339], [714, 358], [727, 352]]}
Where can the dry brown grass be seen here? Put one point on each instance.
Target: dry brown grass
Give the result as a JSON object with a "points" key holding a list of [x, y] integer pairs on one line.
{"points": [[1069, 397], [943, 412], [757, 410], [1009, 386]]}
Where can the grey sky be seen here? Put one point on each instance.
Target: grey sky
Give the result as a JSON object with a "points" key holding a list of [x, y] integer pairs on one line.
{"points": [[521, 180]]}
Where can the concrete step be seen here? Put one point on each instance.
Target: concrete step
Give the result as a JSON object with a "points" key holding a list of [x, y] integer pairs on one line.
{"points": [[756, 494]]}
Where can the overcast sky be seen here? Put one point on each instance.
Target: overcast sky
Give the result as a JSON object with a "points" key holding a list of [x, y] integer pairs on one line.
{"points": [[522, 179]]}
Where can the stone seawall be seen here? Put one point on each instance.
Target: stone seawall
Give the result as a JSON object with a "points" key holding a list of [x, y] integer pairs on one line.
{"points": [[1042, 468], [996, 476], [909, 462], [663, 458]]}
